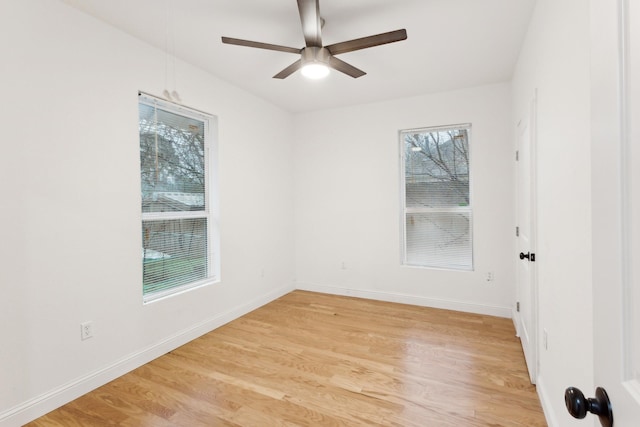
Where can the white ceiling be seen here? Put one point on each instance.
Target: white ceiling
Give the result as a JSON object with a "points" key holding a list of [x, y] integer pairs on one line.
{"points": [[451, 44]]}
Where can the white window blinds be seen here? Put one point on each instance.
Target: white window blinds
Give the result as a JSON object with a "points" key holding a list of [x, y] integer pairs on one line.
{"points": [[436, 205], [174, 171]]}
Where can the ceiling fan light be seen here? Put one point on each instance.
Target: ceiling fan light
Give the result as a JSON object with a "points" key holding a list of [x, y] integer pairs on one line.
{"points": [[315, 70]]}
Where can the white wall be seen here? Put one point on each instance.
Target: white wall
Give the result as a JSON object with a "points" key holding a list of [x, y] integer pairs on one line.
{"points": [[555, 60], [69, 172], [347, 201]]}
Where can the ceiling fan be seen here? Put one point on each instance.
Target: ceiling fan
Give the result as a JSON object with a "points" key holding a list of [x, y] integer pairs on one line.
{"points": [[314, 57]]}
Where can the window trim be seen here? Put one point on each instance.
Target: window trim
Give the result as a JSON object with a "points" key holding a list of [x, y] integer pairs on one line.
{"points": [[403, 211], [211, 205]]}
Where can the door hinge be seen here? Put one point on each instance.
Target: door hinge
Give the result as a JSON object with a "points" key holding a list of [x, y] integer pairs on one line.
{"points": [[518, 306], [517, 156], [517, 231]]}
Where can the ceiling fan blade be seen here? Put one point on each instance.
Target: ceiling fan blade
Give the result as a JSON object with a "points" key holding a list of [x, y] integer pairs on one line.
{"points": [[289, 70], [310, 19], [365, 42], [343, 67], [259, 45]]}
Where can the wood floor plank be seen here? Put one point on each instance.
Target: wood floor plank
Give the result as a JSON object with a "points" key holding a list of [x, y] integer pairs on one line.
{"points": [[310, 359]]}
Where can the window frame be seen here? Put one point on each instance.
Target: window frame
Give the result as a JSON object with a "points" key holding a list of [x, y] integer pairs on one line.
{"points": [[209, 212], [403, 207]]}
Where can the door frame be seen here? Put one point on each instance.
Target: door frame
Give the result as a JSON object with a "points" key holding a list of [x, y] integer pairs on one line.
{"points": [[612, 252], [531, 116]]}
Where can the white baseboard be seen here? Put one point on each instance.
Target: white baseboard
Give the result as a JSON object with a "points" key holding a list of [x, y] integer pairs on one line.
{"points": [[545, 402], [40, 405], [447, 304], [515, 316]]}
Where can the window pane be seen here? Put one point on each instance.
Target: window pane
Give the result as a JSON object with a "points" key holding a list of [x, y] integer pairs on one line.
{"points": [[172, 161], [437, 204], [174, 253], [437, 168], [439, 239]]}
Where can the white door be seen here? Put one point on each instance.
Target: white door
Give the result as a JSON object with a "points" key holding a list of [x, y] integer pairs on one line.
{"points": [[526, 306], [615, 149]]}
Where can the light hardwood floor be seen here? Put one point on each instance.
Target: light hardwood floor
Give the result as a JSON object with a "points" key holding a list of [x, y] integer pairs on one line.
{"points": [[311, 359]]}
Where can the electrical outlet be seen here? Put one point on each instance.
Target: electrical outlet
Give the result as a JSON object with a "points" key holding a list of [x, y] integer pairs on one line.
{"points": [[490, 276], [86, 330], [344, 265]]}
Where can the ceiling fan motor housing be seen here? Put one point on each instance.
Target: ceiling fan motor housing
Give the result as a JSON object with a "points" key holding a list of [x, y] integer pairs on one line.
{"points": [[314, 54]]}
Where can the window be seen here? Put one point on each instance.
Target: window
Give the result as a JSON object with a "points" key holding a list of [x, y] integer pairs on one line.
{"points": [[436, 205], [175, 172]]}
